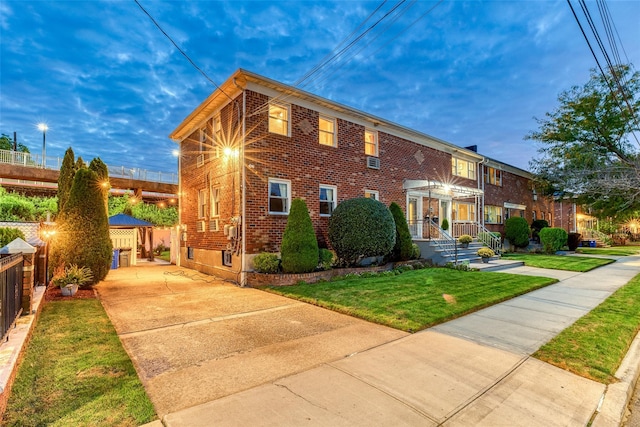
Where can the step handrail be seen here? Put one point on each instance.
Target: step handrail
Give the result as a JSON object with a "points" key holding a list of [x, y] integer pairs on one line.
{"points": [[489, 239]]}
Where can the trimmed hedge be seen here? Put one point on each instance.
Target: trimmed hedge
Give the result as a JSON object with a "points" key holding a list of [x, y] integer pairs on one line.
{"points": [[516, 231], [360, 228], [266, 263], [8, 235], [553, 239], [299, 252], [402, 250]]}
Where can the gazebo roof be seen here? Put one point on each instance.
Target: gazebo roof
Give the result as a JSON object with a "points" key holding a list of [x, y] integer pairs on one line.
{"points": [[126, 221]]}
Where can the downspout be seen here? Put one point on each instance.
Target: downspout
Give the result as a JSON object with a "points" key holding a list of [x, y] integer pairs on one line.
{"points": [[481, 186], [243, 195]]}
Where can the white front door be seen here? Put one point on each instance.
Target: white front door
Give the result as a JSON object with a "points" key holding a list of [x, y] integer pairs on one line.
{"points": [[413, 217]]}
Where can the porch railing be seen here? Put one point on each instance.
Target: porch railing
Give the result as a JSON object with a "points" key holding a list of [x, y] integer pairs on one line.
{"points": [[428, 229], [10, 291]]}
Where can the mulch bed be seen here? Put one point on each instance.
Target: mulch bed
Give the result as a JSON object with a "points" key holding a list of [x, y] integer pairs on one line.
{"points": [[55, 294]]}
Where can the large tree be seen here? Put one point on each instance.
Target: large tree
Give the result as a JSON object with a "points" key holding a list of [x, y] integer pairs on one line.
{"points": [[6, 143], [589, 145]]}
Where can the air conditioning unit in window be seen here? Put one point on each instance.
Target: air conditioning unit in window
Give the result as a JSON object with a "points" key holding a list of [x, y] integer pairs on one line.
{"points": [[201, 226], [214, 225], [200, 160], [373, 162]]}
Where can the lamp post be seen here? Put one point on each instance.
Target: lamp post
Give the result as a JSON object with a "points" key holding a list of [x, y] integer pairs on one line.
{"points": [[176, 153], [43, 127]]}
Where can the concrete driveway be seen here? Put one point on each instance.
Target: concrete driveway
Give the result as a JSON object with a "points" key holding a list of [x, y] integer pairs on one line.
{"points": [[195, 338]]}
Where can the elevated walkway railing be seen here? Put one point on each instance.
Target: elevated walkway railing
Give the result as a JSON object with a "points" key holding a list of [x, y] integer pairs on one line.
{"points": [[54, 163]]}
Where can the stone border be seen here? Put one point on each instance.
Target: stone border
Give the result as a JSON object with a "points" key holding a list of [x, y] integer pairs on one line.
{"points": [[262, 279], [616, 398], [12, 351]]}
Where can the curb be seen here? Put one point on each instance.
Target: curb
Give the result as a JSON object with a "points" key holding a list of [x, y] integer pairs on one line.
{"points": [[615, 400]]}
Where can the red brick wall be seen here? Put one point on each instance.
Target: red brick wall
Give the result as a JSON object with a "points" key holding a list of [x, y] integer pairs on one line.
{"points": [[307, 164]]}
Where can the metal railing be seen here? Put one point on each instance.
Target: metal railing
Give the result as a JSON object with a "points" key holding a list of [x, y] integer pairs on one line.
{"points": [[10, 291], [36, 161], [491, 240], [429, 230]]}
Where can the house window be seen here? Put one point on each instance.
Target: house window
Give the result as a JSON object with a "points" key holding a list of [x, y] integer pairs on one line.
{"points": [[493, 214], [372, 194], [279, 118], [465, 212], [371, 143], [327, 131], [202, 203], [493, 176], [463, 168], [279, 196], [327, 199], [214, 196], [535, 214]]}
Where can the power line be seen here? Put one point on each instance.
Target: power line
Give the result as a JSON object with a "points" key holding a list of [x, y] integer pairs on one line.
{"points": [[182, 51]]}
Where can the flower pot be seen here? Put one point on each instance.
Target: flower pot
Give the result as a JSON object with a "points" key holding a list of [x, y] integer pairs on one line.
{"points": [[69, 290], [485, 260]]}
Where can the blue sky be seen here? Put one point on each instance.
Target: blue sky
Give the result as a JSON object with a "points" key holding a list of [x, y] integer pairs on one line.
{"points": [[111, 85]]}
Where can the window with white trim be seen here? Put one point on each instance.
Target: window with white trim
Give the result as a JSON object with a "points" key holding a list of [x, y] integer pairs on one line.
{"points": [[463, 168], [279, 118], [202, 203], [492, 176], [493, 214], [465, 212], [372, 194], [279, 196], [327, 131], [214, 196], [371, 142], [328, 197]]}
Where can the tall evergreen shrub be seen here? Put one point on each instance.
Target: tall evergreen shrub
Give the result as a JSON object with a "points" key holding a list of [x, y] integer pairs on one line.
{"points": [[403, 249], [553, 239], [516, 231], [299, 252], [83, 237], [65, 179]]}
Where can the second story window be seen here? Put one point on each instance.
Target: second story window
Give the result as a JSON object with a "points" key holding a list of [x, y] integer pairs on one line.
{"points": [[371, 143], [327, 131], [463, 168], [493, 176], [279, 118]]}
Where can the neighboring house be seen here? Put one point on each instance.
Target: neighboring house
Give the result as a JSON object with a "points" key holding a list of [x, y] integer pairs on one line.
{"points": [[255, 144]]}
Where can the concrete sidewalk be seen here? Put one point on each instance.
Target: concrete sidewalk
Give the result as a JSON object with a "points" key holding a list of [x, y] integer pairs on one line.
{"points": [[475, 370]]}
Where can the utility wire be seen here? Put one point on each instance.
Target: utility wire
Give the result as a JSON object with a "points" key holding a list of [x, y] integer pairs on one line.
{"points": [[182, 51]]}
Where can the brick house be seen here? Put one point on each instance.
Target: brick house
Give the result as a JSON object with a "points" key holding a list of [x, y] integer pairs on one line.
{"points": [[255, 144]]}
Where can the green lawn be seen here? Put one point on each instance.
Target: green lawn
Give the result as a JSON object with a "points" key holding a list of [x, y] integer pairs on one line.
{"points": [[616, 250], [559, 262], [165, 255], [595, 345], [416, 299], [75, 372]]}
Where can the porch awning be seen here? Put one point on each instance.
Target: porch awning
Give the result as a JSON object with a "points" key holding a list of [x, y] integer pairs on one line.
{"points": [[455, 191]]}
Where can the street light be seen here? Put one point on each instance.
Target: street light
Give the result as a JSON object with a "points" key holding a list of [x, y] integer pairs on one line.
{"points": [[43, 127]]}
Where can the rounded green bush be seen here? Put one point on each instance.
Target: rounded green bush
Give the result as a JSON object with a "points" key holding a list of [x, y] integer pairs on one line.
{"points": [[299, 252], [553, 239], [266, 263], [516, 231], [403, 249], [360, 228]]}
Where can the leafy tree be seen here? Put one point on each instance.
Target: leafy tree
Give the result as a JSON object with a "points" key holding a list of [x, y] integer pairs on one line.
{"points": [[6, 143], [8, 235], [16, 207], [360, 228], [403, 249], [299, 251], [83, 228], [65, 179], [587, 149], [161, 217], [516, 231]]}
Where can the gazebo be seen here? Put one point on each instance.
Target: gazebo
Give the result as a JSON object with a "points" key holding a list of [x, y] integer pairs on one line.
{"points": [[125, 231]]}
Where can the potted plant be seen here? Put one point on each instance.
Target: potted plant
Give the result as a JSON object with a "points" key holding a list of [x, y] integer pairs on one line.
{"points": [[464, 240], [71, 277], [485, 253]]}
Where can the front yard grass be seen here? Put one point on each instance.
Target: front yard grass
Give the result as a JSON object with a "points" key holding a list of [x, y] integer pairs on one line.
{"points": [[616, 250], [595, 345], [415, 299], [75, 372], [559, 262]]}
